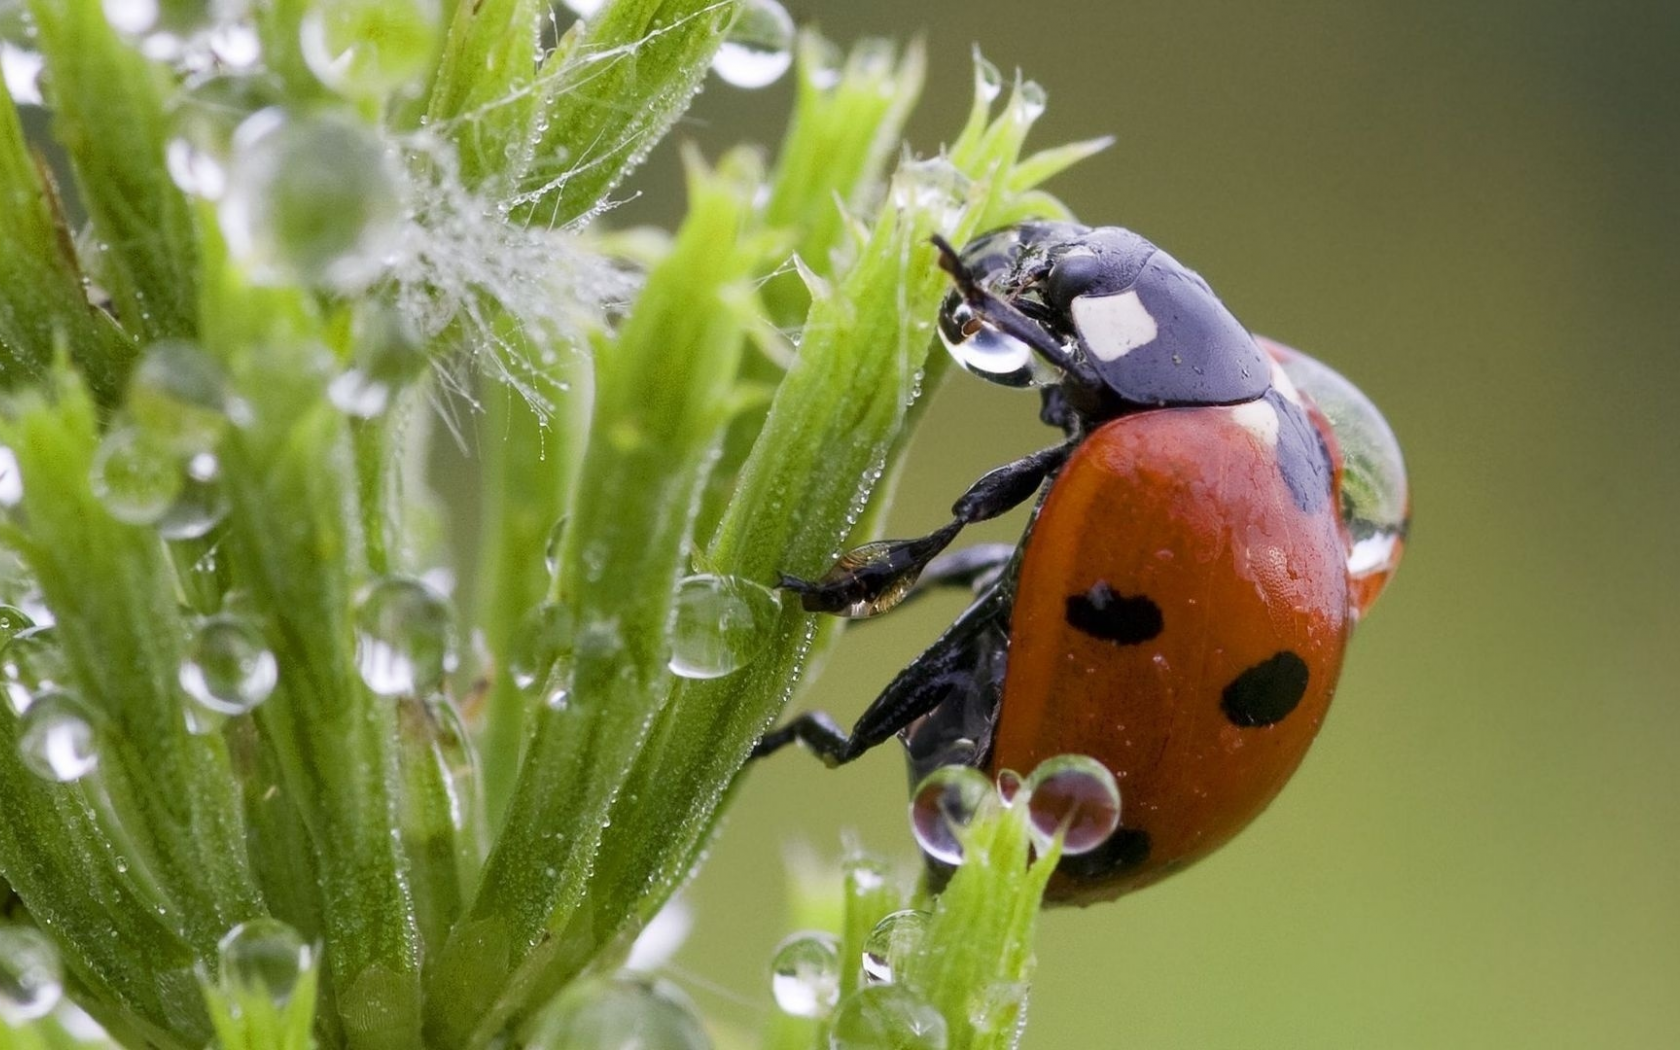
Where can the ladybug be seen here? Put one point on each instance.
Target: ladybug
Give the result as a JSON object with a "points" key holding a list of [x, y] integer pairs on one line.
{"points": [[1220, 514]]}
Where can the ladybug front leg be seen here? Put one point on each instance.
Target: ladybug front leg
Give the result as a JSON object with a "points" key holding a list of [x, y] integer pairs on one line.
{"points": [[875, 577]]}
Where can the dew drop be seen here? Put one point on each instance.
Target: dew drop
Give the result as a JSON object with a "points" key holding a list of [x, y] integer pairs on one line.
{"points": [[30, 662], [13, 622], [934, 187], [551, 549], [178, 395], [584, 8], [988, 80], [544, 638], [887, 1017], [758, 48], [941, 808], [622, 1012], [721, 624], [56, 737], [31, 976], [404, 637], [315, 199], [892, 943], [203, 117], [263, 957], [228, 668], [987, 352], [1008, 786], [805, 974], [1075, 796], [202, 504], [11, 479], [1032, 101], [135, 475], [366, 49], [389, 353]]}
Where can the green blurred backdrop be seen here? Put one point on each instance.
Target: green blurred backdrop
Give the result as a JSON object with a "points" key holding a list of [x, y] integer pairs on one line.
{"points": [[1472, 210]]}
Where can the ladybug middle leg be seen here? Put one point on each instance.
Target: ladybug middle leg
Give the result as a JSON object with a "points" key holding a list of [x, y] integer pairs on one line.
{"points": [[875, 577]]}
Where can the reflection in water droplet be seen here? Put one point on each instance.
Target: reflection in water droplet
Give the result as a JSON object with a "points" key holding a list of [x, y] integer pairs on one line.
{"points": [[887, 1017], [405, 642], [543, 639], [988, 353], [805, 974], [315, 199], [369, 48], [621, 1013], [721, 624], [892, 943], [228, 668], [56, 737], [1076, 796], [263, 957], [31, 977], [941, 808], [758, 48], [135, 476]]}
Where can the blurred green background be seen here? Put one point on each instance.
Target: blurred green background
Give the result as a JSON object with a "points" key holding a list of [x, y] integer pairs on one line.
{"points": [[1472, 210]]}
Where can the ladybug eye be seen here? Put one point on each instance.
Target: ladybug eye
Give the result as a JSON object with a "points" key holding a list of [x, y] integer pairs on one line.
{"points": [[989, 353], [1375, 502]]}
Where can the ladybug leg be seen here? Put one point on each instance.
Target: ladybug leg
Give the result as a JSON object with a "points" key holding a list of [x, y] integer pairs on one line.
{"points": [[971, 568], [873, 578]]}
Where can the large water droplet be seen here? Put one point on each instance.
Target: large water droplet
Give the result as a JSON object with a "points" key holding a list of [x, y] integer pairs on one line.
{"points": [[263, 957], [887, 1017], [202, 504], [135, 475], [315, 199], [805, 974], [30, 662], [721, 624], [388, 354], [179, 395], [369, 48], [987, 352], [1376, 506], [11, 479], [31, 977], [203, 117], [1075, 796], [622, 1013], [405, 638], [892, 943], [544, 638], [228, 668], [934, 187], [56, 738], [941, 808], [758, 48]]}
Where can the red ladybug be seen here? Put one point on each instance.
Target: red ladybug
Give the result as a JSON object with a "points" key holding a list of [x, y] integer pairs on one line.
{"points": [[1221, 513]]}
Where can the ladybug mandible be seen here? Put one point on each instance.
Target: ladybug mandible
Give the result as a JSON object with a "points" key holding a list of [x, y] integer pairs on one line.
{"points": [[1222, 511]]}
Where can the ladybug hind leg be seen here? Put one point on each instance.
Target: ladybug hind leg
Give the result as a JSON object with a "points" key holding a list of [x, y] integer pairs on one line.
{"points": [[875, 577]]}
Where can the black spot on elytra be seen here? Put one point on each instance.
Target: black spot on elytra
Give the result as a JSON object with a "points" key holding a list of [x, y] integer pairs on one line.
{"points": [[1126, 848], [1102, 612], [1264, 694], [1302, 459]]}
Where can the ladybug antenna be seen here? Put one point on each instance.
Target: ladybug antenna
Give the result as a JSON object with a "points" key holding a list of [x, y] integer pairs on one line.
{"points": [[1000, 314]]}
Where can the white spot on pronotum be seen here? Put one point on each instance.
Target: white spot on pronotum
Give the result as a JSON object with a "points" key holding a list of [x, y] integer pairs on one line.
{"points": [[1113, 325], [1258, 418]]}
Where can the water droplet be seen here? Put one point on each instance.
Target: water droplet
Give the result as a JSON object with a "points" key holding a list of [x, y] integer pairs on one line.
{"points": [[988, 80], [943, 805], [721, 624], [178, 395], [203, 117], [202, 504], [166, 30], [228, 667], [1076, 796], [933, 186], [21, 69], [1008, 786], [11, 479], [135, 475], [892, 943], [30, 662], [1376, 505], [805, 974], [1032, 101], [369, 48], [758, 48], [315, 199], [263, 957], [987, 352], [544, 638], [56, 737], [388, 354], [13, 622], [404, 638], [31, 977], [623, 1012], [887, 1017], [584, 8], [551, 549]]}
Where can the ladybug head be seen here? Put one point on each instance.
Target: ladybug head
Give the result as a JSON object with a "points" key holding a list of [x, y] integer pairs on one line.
{"points": [[1102, 313]]}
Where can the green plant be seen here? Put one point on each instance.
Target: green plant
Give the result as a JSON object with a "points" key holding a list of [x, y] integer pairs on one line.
{"points": [[248, 794]]}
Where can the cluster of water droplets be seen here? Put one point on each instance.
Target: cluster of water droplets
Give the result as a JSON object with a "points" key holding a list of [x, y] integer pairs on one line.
{"points": [[1071, 797]]}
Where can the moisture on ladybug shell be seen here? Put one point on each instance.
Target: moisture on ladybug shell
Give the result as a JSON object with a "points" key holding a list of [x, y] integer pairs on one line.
{"points": [[1221, 512]]}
